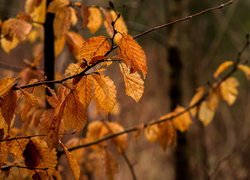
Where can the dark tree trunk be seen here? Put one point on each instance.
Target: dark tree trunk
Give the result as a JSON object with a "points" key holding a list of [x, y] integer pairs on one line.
{"points": [[49, 53]]}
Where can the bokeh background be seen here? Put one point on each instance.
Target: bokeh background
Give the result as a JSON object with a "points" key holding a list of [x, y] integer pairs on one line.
{"points": [[218, 151]]}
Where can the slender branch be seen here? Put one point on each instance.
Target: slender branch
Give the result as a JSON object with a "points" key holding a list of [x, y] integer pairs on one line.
{"points": [[7, 167], [130, 165], [22, 137], [9, 67], [184, 19]]}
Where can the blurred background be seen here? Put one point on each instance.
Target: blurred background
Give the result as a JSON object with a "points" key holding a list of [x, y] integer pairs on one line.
{"points": [[180, 59]]}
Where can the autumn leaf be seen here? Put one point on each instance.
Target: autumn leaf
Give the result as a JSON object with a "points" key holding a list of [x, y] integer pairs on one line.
{"points": [[56, 5], [224, 66], [134, 85], [245, 69], [36, 9], [132, 54], [208, 107], [195, 99], [94, 19], [229, 91], [74, 114], [31, 155], [5, 85], [182, 122], [84, 90], [62, 21], [59, 45], [3, 127], [75, 42], [74, 166], [8, 45], [104, 92], [95, 46]]}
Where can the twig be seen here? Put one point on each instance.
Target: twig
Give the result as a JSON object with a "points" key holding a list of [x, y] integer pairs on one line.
{"points": [[21, 137], [9, 67], [7, 167], [130, 165]]}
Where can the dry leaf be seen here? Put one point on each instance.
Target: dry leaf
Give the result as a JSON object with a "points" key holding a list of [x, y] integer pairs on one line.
{"points": [[75, 42], [224, 66], [183, 121], [105, 93], [245, 69], [6, 85], [56, 5], [62, 21], [8, 45], [59, 45], [132, 54], [36, 9], [74, 115], [134, 85], [74, 166], [94, 19], [228, 90], [195, 99], [31, 155], [95, 46]]}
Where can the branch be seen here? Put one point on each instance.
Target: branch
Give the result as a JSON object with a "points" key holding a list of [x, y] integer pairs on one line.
{"points": [[133, 129], [7, 167], [22, 137]]}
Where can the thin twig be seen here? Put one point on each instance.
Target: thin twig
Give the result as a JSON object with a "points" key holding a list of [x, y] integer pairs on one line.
{"points": [[130, 165], [7, 167]]}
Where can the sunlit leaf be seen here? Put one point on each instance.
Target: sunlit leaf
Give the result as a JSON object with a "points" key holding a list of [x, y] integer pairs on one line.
{"points": [[75, 42], [229, 91], [224, 66], [245, 69], [62, 21], [94, 19], [196, 98], [182, 122], [5, 85]]}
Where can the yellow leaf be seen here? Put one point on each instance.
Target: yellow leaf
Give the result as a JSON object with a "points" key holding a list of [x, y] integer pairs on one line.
{"points": [[228, 90], [196, 98], [84, 90], [8, 45], [74, 115], [75, 42], [94, 19], [245, 69], [105, 93], [16, 28], [152, 133], [73, 16], [182, 122], [95, 46], [132, 54], [59, 45], [36, 9], [6, 85], [224, 66], [74, 166], [208, 107], [134, 85]]}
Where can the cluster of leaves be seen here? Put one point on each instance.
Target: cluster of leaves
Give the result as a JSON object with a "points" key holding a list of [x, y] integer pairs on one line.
{"points": [[32, 145]]}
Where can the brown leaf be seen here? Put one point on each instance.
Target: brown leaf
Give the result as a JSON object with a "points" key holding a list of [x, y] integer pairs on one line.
{"points": [[224, 66], [74, 166], [95, 46], [5, 85], [31, 155], [134, 85], [196, 98], [59, 44], [105, 93], [183, 121], [132, 54], [56, 5], [62, 21]]}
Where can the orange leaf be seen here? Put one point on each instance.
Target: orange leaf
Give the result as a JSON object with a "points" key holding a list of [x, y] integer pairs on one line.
{"points": [[62, 21], [75, 42], [36, 9], [132, 54], [74, 115], [229, 91], [134, 85], [183, 121], [245, 69], [56, 5], [5, 85], [74, 166], [224, 66], [196, 98], [95, 46], [105, 93]]}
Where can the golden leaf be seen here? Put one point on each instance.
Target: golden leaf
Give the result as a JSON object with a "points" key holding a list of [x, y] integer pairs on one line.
{"points": [[164, 133], [16, 28], [73, 16], [245, 69], [84, 90], [74, 166], [95, 46], [17, 147], [134, 85], [104, 93], [224, 66], [183, 121], [75, 42], [94, 19], [228, 90], [8, 45], [36, 9], [196, 98], [4, 151], [3, 127], [6, 85], [74, 115], [62, 21], [132, 54]]}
